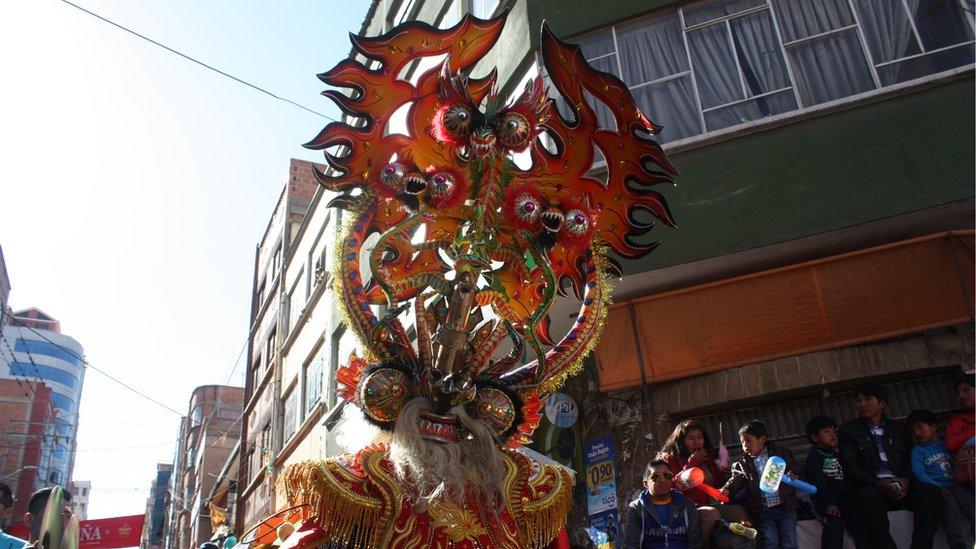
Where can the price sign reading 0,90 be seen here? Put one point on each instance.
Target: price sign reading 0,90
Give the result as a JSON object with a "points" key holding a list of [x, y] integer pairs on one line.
{"points": [[599, 473]]}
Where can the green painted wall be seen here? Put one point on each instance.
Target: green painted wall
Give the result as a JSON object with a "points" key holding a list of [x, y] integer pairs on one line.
{"points": [[846, 168]]}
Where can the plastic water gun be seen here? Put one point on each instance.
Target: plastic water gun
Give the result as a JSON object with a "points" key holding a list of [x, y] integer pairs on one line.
{"points": [[694, 477], [739, 529], [775, 472]]}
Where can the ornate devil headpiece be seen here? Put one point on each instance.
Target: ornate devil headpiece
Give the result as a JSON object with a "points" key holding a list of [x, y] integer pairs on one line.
{"points": [[453, 256]]}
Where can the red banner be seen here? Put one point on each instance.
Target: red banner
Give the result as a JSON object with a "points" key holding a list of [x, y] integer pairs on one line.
{"points": [[111, 533]]}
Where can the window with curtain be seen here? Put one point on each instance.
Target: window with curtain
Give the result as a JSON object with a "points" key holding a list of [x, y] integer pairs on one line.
{"points": [[313, 378], [291, 414], [716, 64]]}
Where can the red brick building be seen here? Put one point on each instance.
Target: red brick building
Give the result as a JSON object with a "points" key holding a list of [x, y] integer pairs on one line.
{"points": [[28, 434]]}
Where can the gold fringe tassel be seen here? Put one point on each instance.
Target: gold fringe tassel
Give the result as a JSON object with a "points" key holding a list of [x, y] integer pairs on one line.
{"points": [[344, 517], [545, 518]]}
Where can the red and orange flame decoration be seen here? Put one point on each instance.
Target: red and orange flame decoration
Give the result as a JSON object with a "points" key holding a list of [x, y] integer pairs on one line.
{"points": [[443, 220]]}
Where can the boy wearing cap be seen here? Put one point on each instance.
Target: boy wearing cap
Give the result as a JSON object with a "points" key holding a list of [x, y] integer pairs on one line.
{"points": [[834, 500]]}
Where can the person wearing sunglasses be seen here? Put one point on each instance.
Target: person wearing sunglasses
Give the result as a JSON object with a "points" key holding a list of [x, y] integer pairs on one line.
{"points": [[661, 517]]}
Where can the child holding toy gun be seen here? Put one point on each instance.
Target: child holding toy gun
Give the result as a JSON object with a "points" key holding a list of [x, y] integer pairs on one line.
{"points": [[774, 513]]}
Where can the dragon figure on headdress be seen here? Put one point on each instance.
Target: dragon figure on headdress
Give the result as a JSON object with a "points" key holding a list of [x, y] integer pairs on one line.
{"points": [[449, 263]]}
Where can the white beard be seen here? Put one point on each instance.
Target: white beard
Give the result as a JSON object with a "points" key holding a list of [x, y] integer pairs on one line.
{"points": [[442, 471]]}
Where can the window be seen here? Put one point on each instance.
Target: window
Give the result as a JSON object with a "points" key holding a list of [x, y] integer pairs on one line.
{"points": [[296, 300], [271, 349], [64, 402], [46, 373], [47, 348], [721, 63], [291, 414], [196, 415], [483, 8], [313, 379]]}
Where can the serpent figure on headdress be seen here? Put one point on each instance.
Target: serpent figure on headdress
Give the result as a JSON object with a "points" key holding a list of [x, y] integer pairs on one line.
{"points": [[450, 260]]}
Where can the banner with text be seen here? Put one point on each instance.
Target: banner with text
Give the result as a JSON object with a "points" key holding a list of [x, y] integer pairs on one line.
{"points": [[111, 533]]}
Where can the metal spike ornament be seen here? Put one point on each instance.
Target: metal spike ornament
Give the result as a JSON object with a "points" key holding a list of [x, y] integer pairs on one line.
{"points": [[459, 230]]}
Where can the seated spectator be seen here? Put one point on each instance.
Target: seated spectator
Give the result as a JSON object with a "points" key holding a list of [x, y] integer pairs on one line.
{"points": [[660, 517], [690, 446], [961, 433], [932, 464], [961, 429], [774, 513], [6, 510], [875, 454], [834, 500]]}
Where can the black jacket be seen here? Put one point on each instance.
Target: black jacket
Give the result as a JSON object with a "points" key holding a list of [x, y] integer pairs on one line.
{"points": [[859, 455], [744, 475], [824, 471]]}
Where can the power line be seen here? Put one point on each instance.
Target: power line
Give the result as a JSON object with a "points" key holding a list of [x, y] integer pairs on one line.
{"points": [[201, 63], [104, 373]]}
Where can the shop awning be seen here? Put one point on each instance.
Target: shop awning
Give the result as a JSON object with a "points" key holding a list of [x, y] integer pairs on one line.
{"points": [[866, 295]]}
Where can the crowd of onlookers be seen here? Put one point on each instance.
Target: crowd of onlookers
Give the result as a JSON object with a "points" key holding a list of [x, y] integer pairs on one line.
{"points": [[854, 474]]}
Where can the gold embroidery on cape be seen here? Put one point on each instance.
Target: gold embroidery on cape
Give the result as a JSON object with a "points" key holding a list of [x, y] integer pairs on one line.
{"points": [[459, 524]]}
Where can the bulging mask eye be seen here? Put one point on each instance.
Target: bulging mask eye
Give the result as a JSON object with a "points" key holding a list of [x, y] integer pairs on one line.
{"points": [[442, 186], [459, 120], [577, 222], [390, 179], [514, 131], [527, 208]]}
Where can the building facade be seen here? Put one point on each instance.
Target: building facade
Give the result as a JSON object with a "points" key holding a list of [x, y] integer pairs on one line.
{"points": [[28, 439], [296, 341], [4, 287], [153, 529], [80, 492], [32, 347], [208, 434]]}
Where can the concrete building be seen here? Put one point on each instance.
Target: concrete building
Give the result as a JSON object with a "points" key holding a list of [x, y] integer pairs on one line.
{"points": [[32, 347], [28, 439], [296, 342], [80, 491], [208, 434], [153, 529]]}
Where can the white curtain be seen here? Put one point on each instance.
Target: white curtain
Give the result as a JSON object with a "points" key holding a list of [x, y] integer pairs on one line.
{"points": [[886, 29], [828, 67], [653, 49]]}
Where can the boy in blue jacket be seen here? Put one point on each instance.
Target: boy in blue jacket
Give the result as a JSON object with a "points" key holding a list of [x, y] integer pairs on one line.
{"points": [[932, 464], [661, 517]]}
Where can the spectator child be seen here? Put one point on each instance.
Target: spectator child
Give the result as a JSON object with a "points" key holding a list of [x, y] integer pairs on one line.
{"points": [[660, 517], [690, 446], [774, 513], [834, 500], [932, 464]]}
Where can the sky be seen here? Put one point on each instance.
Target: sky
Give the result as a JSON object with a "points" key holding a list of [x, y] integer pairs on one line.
{"points": [[134, 187]]}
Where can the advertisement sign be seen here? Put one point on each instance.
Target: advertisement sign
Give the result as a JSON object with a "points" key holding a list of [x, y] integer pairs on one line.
{"points": [[601, 491], [561, 410], [111, 533]]}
